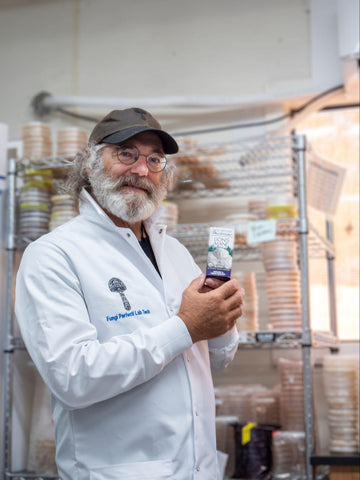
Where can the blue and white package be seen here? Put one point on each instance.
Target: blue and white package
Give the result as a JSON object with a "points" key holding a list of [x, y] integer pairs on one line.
{"points": [[220, 253]]}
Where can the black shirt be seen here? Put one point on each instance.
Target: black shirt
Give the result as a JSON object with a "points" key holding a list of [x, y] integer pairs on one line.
{"points": [[146, 246]]}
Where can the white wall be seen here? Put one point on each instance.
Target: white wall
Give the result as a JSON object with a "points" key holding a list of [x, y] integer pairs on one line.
{"points": [[250, 49]]}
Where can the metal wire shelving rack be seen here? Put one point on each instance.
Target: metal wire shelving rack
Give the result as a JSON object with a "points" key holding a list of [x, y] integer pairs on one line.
{"points": [[195, 237], [248, 169], [28, 476], [265, 168]]}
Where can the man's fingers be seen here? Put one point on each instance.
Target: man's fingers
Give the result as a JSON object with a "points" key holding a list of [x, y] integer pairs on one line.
{"points": [[213, 283], [229, 288], [197, 283], [235, 303]]}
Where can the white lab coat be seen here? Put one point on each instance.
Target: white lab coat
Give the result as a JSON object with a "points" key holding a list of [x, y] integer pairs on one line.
{"points": [[132, 396]]}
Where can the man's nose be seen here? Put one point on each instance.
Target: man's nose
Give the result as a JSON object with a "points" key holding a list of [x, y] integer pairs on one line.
{"points": [[140, 166]]}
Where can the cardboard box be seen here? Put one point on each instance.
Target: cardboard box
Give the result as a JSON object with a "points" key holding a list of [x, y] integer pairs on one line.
{"points": [[345, 472]]}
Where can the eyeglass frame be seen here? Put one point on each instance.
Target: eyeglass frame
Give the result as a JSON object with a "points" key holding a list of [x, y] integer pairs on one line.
{"points": [[118, 146]]}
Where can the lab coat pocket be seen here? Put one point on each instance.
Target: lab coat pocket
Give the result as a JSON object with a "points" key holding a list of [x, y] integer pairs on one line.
{"points": [[155, 470]]}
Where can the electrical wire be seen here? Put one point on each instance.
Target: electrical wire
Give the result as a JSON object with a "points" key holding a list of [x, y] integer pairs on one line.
{"points": [[235, 126], [76, 115], [280, 118], [290, 114], [341, 107]]}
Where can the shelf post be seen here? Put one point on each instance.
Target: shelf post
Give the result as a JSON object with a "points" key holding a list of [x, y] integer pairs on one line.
{"points": [[300, 147], [331, 279], [8, 336]]}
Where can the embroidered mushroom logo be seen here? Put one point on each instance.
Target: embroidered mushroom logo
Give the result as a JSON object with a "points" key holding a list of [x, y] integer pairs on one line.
{"points": [[116, 285]]}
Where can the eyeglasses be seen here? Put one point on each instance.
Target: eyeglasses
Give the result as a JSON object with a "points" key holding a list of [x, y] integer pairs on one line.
{"points": [[128, 155]]}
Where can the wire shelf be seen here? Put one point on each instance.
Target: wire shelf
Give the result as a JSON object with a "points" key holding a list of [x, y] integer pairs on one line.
{"points": [[270, 339], [195, 237], [284, 339], [256, 167], [250, 149], [33, 476], [266, 165], [236, 189], [45, 163]]}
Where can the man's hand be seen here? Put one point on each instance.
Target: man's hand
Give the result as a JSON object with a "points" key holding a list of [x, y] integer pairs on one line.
{"points": [[211, 283], [210, 311]]}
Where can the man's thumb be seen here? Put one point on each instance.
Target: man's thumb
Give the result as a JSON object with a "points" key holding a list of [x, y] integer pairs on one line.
{"points": [[198, 282]]}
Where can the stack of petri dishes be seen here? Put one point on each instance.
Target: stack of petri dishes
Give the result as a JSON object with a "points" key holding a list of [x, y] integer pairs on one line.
{"points": [[63, 209], [288, 452], [282, 284], [225, 441], [292, 394], [70, 141], [237, 400], [35, 203], [234, 404], [37, 141], [249, 320], [339, 378], [257, 208], [266, 407], [41, 453], [280, 255], [239, 222]]}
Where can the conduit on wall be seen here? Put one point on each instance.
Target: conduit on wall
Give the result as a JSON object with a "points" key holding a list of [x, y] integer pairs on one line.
{"points": [[204, 109]]}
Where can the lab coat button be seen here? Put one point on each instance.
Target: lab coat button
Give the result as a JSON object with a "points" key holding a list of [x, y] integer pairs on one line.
{"points": [[128, 234], [196, 413], [188, 358], [197, 468]]}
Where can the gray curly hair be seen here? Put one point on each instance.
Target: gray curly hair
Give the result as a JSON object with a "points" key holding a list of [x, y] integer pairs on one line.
{"points": [[78, 176]]}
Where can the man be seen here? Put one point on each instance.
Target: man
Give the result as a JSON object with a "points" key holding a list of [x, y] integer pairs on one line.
{"points": [[119, 322]]}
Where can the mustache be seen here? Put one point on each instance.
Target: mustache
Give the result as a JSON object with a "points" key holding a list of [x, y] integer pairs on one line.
{"points": [[135, 181]]}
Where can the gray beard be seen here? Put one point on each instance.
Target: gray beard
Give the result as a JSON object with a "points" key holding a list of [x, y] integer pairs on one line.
{"points": [[130, 206]]}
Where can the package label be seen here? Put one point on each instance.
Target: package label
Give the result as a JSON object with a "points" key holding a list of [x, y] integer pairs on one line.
{"points": [[220, 252]]}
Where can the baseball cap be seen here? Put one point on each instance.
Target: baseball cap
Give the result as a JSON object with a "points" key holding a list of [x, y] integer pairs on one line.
{"points": [[120, 125]]}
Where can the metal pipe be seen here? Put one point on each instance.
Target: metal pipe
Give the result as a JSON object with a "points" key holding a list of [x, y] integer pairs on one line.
{"points": [[44, 102], [331, 279], [300, 146], [8, 346], [54, 101]]}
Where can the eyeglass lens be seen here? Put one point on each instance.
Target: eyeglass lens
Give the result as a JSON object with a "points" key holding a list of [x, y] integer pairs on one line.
{"points": [[129, 155]]}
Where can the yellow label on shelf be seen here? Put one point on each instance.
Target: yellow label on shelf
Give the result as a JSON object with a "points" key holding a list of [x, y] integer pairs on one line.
{"points": [[246, 433], [278, 212]]}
